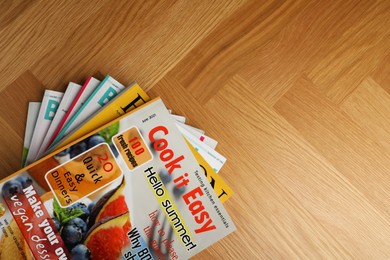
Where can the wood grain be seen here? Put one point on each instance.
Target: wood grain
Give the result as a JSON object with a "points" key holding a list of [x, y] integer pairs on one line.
{"points": [[362, 161], [355, 54], [369, 106], [381, 73], [297, 92], [313, 32], [321, 189], [13, 118]]}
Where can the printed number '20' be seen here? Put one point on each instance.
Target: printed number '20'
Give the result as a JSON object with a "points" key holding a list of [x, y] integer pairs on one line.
{"points": [[107, 166], [135, 144]]}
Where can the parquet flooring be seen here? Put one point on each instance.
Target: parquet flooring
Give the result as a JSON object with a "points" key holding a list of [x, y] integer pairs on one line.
{"points": [[296, 92]]}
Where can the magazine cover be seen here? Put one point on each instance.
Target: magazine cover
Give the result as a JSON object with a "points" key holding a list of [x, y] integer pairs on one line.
{"points": [[140, 194], [50, 102], [215, 159], [70, 93], [130, 98], [32, 115], [104, 92], [86, 91], [220, 187]]}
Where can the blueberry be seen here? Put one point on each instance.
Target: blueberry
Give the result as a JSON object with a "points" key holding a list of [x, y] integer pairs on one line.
{"points": [[77, 149], [73, 232], [11, 188], [24, 180], [57, 223], [95, 140], [78, 222], [165, 176], [80, 252], [82, 206]]}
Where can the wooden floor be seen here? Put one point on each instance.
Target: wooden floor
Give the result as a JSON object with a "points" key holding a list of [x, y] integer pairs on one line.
{"points": [[296, 92]]}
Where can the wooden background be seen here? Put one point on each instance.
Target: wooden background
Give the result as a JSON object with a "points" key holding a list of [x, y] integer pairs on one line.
{"points": [[296, 92]]}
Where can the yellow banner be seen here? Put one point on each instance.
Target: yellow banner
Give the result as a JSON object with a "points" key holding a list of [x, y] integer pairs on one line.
{"points": [[168, 206]]}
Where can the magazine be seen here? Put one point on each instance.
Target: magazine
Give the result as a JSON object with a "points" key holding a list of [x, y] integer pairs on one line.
{"points": [[182, 119], [215, 159], [136, 96], [50, 102], [198, 133], [138, 195], [32, 115], [210, 142], [221, 189], [194, 129], [70, 93], [86, 91], [132, 97], [106, 91], [127, 100], [178, 118]]}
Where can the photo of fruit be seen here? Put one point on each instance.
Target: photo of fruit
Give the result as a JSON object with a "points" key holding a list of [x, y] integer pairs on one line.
{"points": [[15, 186], [103, 136], [108, 237], [86, 226]]}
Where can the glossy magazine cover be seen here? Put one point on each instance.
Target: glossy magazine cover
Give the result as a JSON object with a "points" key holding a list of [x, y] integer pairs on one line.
{"points": [[131, 190]]}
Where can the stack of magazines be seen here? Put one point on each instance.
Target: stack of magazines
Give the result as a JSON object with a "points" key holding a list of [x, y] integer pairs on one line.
{"points": [[111, 174]]}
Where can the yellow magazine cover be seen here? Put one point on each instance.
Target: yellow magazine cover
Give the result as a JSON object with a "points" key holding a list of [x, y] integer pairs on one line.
{"points": [[222, 190]]}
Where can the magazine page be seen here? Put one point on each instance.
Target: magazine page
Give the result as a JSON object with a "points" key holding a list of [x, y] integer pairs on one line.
{"points": [[221, 189], [129, 99], [198, 133], [106, 91], [210, 142], [215, 159], [182, 120], [141, 195], [32, 115], [50, 102], [85, 92], [70, 93], [194, 129], [178, 118]]}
